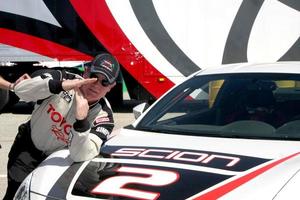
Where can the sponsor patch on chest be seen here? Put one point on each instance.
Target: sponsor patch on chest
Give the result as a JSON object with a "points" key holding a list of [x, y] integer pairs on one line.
{"points": [[60, 127]]}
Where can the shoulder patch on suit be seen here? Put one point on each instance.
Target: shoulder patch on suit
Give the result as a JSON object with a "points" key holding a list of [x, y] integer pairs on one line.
{"points": [[100, 120], [66, 96]]}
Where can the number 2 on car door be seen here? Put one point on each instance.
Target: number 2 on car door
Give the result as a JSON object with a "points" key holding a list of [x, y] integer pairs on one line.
{"points": [[116, 185]]}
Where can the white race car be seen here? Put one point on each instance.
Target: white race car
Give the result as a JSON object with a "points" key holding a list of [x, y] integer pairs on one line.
{"points": [[229, 132]]}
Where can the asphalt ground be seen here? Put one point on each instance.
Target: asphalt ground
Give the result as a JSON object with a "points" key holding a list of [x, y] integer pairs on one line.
{"points": [[10, 120]]}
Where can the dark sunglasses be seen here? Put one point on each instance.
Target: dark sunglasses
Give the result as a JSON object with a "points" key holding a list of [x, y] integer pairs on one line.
{"points": [[104, 82]]}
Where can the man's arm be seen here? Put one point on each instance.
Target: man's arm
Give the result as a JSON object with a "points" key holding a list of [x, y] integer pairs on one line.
{"points": [[42, 84], [4, 84], [46, 83], [86, 139]]}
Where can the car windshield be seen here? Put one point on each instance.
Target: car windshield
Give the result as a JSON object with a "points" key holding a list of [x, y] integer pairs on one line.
{"points": [[264, 106]]}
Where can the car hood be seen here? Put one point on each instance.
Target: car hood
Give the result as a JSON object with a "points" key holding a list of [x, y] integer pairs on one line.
{"points": [[136, 164]]}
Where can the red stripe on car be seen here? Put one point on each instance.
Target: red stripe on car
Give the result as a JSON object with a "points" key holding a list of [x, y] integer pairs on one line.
{"points": [[224, 189]]}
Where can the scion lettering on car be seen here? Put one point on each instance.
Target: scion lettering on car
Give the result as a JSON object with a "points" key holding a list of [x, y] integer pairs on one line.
{"points": [[191, 157], [187, 156]]}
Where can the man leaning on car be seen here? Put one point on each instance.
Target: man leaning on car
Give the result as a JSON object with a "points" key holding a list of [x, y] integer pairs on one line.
{"points": [[71, 111]]}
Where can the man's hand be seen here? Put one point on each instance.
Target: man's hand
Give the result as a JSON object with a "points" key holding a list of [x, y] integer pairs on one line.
{"points": [[82, 106], [76, 83], [21, 78]]}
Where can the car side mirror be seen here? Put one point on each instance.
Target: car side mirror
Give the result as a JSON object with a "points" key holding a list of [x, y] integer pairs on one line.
{"points": [[139, 109]]}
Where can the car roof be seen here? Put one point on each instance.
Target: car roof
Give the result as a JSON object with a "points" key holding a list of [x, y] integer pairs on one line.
{"points": [[292, 67]]}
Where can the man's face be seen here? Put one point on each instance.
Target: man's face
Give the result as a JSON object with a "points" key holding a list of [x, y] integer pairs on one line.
{"points": [[95, 91]]}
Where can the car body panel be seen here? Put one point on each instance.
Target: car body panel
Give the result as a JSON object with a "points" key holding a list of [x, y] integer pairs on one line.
{"points": [[239, 164], [178, 149]]}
